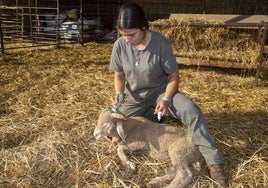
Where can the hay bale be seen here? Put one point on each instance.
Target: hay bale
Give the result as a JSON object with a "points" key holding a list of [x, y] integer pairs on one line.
{"points": [[222, 43]]}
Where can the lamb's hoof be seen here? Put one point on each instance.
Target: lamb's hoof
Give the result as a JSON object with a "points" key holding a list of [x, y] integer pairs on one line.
{"points": [[131, 165]]}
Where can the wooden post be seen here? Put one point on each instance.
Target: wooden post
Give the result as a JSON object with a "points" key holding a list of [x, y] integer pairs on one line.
{"points": [[58, 24], [30, 17], [17, 18], [2, 40], [81, 32], [260, 58], [37, 22]]}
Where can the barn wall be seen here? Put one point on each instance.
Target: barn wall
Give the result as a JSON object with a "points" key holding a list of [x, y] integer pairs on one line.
{"points": [[106, 10], [157, 9]]}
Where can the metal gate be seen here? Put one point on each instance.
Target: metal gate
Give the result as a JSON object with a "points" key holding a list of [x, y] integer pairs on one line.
{"points": [[44, 22]]}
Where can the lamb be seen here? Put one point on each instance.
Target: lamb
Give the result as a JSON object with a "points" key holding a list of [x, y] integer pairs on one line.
{"points": [[161, 142]]}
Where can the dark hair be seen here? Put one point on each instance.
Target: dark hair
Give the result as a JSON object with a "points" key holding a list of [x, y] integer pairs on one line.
{"points": [[130, 16]]}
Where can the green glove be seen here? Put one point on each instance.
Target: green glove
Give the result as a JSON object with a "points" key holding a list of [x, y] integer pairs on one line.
{"points": [[120, 100]]}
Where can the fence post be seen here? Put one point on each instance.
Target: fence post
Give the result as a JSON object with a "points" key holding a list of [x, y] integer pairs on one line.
{"points": [[58, 24], [260, 57], [81, 31], [2, 40], [30, 18]]}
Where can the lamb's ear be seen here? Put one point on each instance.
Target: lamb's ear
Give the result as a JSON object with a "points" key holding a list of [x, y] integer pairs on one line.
{"points": [[120, 130], [119, 116]]}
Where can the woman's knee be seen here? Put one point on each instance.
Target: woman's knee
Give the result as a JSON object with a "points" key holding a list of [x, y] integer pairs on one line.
{"points": [[184, 106]]}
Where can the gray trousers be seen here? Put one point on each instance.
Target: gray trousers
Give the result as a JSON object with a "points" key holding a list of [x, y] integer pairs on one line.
{"points": [[189, 114]]}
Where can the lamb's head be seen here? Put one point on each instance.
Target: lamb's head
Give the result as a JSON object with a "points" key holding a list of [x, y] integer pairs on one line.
{"points": [[109, 124]]}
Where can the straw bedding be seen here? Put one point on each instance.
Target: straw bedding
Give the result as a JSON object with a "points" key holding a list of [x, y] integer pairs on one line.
{"points": [[49, 103]]}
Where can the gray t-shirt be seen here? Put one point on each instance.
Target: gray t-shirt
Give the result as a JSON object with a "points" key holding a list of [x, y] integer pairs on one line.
{"points": [[147, 70]]}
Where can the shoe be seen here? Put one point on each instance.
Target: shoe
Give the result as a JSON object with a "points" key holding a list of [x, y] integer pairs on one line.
{"points": [[217, 174]]}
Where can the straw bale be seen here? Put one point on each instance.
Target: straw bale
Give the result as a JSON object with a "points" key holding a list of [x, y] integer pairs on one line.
{"points": [[49, 103], [222, 43]]}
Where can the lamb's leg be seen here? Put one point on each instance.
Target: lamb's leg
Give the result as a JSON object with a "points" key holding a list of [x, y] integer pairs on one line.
{"points": [[161, 180], [124, 159], [157, 181], [183, 178]]}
